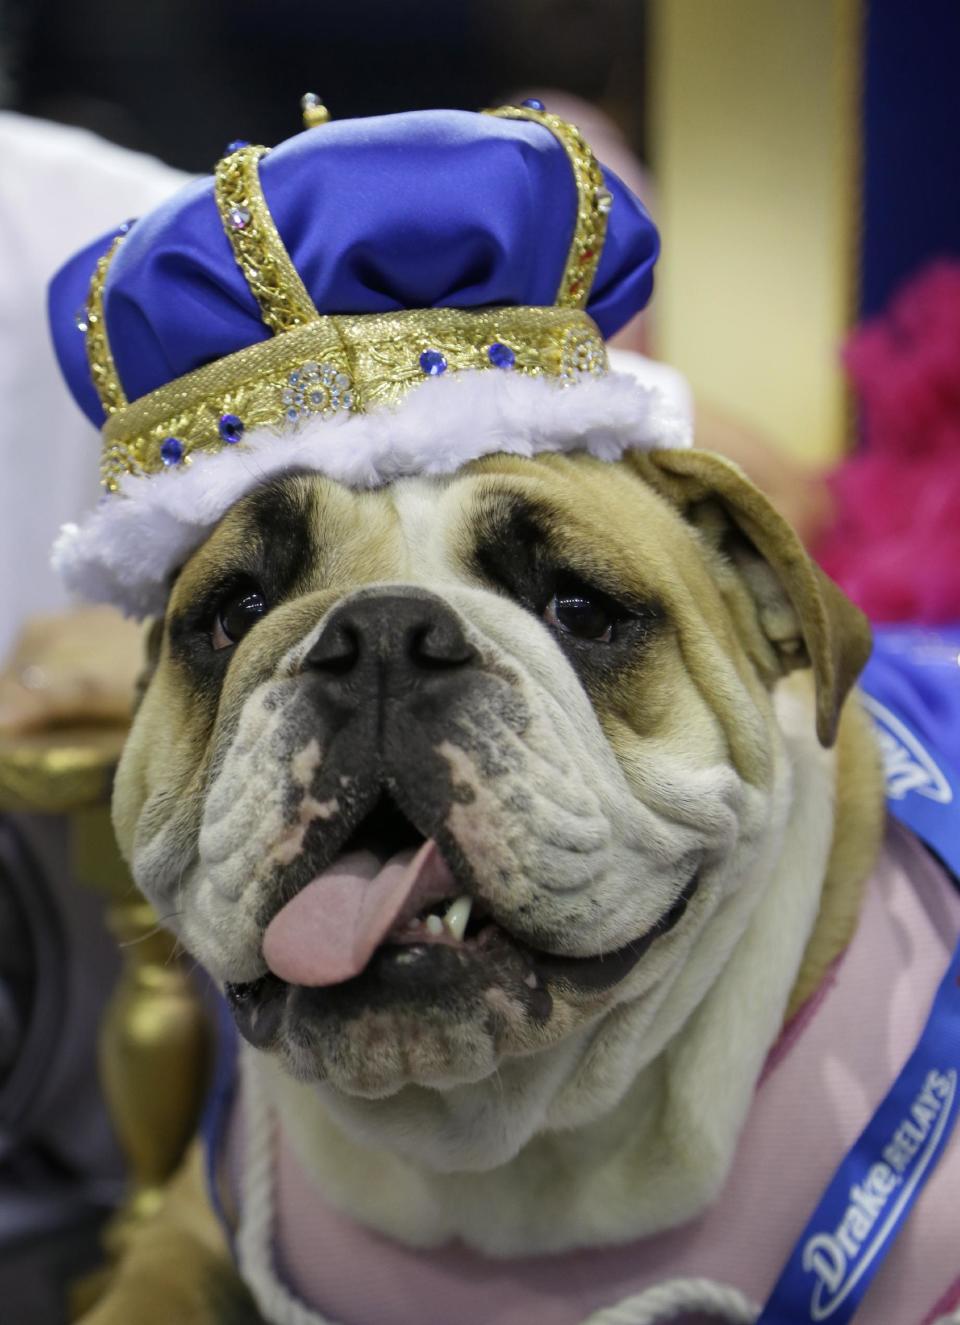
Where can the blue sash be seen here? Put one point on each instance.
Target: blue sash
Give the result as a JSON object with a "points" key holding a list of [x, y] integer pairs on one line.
{"points": [[912, 689]]}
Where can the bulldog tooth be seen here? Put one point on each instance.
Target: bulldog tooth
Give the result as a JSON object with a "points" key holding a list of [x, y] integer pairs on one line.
{"points": [[457, 916], [434, 925], [530, 980]]}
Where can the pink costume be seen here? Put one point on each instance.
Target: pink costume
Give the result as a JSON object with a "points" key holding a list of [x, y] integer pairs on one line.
{"points": [[822, 1082]]}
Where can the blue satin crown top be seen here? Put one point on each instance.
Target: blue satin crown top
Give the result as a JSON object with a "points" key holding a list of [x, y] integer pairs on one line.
{"points": [[426, 210]]}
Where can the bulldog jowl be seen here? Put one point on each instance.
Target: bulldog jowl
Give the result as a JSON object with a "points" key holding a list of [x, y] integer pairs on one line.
{"points": [[396, 916]]}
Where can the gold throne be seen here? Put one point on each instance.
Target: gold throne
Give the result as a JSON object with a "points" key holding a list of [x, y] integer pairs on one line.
{"points": [[153, 1047]]}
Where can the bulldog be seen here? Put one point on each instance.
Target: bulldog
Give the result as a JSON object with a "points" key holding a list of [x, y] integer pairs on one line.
{"points": [[514, 812]]}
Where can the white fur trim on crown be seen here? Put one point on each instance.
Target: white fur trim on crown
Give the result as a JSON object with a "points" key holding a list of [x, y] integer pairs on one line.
{"points": [[125, 549]]}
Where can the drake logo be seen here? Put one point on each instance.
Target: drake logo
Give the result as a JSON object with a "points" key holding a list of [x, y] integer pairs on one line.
{"points": [[908, 766], [840, 1259]]}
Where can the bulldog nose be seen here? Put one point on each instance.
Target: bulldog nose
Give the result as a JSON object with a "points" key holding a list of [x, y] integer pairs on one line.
{"points": [[408, 637]]}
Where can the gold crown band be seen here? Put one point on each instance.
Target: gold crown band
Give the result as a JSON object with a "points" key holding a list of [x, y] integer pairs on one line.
{"points": [[338, 365], [594, 201], [99, 355], [260, 252]]}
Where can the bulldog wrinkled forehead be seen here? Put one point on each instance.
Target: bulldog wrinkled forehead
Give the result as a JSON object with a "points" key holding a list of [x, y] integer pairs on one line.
{"points": [[637, 531], [510, 525]]}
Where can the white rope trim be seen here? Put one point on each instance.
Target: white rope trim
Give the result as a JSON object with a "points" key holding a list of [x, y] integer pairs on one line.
{"points": [[677, 1297], [255, 1237]]}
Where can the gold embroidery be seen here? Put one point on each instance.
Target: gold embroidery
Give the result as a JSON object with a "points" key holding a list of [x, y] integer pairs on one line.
{"points": [[102, 368], [355, 363], [260, 253], [325, 364], [594, 201]]}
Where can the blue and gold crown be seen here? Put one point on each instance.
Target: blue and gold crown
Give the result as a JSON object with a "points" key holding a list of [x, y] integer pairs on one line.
{"points": [[318, 284]]}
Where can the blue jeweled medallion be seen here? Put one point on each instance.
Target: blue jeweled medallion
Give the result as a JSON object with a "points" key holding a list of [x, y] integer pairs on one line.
{"points": [[171, 450], [235, 146], [315, 388], [533, 103], [433, 363], [230, 428], [500, 355]]}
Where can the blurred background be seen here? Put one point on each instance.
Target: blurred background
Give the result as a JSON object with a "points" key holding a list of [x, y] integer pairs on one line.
{"points": [[800, 161], [180, 79], [797, 159]]}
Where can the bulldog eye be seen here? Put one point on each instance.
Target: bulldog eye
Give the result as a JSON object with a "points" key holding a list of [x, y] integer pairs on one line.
{"points": [[235, 616], [584, 613]]}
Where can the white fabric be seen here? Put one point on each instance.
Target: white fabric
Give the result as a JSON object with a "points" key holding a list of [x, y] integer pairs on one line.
{"points": [[669, 382], [59, 188], [125, 550]]}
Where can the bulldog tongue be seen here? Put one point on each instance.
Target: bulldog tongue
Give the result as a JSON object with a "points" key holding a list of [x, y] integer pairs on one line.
{"points": [[328, 932]]}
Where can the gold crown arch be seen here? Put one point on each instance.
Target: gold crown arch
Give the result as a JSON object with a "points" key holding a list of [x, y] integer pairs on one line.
{"points": [[316, 364]]}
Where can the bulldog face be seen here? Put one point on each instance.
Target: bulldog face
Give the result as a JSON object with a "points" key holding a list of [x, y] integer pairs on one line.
{"points": [[438, 776]]}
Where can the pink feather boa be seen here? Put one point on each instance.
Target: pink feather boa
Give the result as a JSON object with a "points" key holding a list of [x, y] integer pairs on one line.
{"points": [[895, 546]]}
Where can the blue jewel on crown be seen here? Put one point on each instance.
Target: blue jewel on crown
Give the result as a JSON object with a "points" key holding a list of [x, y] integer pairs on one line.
{"points": [[533, 103], [230, 428], [171, 451], [432, 363], [501, 356], [315, 389]]}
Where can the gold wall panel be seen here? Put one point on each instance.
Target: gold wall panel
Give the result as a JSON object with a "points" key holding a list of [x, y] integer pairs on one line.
{"points": [[754, 107]]}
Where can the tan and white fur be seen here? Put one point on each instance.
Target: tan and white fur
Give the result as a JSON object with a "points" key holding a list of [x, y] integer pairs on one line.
{"points": [[591, 785]]}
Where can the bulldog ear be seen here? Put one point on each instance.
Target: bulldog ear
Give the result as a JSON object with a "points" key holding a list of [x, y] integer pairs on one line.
{"points": [[803, 618]]}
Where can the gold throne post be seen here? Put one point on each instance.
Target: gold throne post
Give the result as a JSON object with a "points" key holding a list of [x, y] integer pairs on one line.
{"points": [[154, 1041]]}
